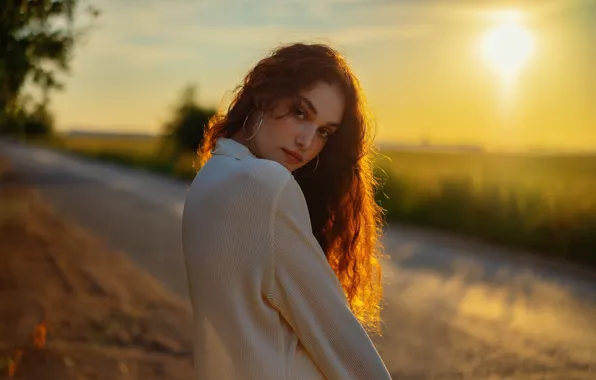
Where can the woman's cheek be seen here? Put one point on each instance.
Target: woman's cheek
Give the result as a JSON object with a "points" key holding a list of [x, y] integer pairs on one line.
{"points": [[292, 126]]}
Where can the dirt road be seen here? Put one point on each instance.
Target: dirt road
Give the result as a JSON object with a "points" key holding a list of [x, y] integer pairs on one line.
{"points": [[454, 309], [71, 308]]}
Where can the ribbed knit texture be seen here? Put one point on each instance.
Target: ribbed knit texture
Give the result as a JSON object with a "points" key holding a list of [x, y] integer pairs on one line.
{"points": [[266, 303]]}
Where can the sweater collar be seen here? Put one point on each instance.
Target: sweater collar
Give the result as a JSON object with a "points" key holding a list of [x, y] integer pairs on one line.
{"points": [[232, 148]]}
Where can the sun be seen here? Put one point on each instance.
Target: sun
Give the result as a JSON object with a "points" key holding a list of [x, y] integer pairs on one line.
{"points": [[508, 46]]}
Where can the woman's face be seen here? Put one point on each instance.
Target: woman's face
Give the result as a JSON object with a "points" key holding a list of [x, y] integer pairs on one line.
{"points": [[299, 135]]}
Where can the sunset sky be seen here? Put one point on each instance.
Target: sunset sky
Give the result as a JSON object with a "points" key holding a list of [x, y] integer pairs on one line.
{"points": [[419, 61]]}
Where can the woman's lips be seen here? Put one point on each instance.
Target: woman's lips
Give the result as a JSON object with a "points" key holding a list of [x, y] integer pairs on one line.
{"points": [[296, 158]]}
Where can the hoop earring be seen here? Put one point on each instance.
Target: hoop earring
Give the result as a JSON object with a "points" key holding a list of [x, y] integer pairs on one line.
{"points": [[258, 126], [317, 164]]}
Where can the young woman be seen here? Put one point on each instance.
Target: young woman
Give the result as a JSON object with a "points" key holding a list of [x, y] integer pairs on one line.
{"points": [[281, 229]]}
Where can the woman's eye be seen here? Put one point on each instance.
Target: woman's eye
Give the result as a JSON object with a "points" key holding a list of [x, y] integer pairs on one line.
{"points": [[300, 113], [324, 132]]}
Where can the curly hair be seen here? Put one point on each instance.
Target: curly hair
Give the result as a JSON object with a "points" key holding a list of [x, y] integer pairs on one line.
{"points": [[346, 220]]}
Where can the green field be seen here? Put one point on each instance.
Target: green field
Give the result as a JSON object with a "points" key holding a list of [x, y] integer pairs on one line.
{"points": [[542, 203], [142, 153]]}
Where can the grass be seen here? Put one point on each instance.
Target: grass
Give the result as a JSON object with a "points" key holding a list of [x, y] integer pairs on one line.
{"points": [[542, 203], [142, 153]]}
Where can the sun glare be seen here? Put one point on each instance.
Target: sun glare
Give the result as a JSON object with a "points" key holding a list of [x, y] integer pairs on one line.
{"points": [[508, 46]]}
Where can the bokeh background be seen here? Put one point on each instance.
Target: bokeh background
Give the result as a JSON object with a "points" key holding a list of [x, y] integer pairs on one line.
{"points": [[485, 115]]}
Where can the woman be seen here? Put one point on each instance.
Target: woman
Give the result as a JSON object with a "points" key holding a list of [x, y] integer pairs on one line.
{"points": [[281, 230]]}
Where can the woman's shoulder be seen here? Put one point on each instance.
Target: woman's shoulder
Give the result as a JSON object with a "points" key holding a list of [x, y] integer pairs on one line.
{"points": [[267, 172], [247, 178], [266, 177]]}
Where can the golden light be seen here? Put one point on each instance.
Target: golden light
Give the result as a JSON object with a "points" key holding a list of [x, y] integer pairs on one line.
{"points": [[508, 46]]}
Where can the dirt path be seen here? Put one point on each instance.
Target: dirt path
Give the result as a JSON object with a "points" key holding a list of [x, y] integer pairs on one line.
{"points": [[454, 309], [71, 308], [460, 310]]}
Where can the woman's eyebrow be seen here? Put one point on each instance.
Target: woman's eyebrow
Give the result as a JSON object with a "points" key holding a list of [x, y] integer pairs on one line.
{"points": [[309, 104]]}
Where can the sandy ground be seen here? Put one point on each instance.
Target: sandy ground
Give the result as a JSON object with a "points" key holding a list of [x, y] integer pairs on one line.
{"points": [[104, 317]]}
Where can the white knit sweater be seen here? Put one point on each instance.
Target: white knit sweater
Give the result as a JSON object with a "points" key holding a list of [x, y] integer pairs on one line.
{"points": [[266, 303]]}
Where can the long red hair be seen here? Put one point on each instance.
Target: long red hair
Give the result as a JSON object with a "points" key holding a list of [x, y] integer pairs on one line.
{"points": [[340, 193]]}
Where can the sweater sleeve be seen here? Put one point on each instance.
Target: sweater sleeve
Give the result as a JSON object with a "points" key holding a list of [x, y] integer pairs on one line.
{"points": [[308, 295]]}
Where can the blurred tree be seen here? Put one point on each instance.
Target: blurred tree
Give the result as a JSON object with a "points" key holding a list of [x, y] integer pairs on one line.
{"points": [[37, 38], [27, 119], [39, 122], [184, 131]]}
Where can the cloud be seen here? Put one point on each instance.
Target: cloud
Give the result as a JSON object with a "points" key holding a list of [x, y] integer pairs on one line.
{"points": [[468, 9], [149, 33], [381, 33]]}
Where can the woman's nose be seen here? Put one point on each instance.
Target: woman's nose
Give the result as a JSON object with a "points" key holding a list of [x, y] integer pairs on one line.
{"points": [[305, 138]]}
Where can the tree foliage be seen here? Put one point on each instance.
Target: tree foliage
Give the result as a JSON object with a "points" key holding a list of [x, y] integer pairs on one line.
{"points": [[186, 127], [37, 39], [27, 119]]}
